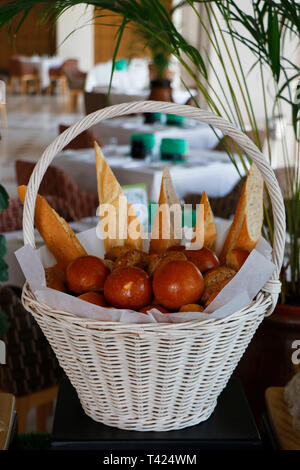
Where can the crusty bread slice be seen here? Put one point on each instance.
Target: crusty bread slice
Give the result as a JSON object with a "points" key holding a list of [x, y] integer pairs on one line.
{"points": [[57, 234], [120, 225], [205, 228], [246, 227], [167, 225], [134, 230]]}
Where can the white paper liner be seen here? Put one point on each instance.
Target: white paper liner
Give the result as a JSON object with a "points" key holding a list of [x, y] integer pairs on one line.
{"points": [[237, 294]]}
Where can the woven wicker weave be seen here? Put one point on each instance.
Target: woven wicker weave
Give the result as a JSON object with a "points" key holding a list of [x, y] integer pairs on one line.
{"points": [[152, 376]]}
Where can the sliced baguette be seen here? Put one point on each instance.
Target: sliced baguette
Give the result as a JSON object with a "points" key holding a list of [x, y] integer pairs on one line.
{"points": [[165, 231], [205, 229], [57, 234], [246, 227], [120, 226], [134, 230]]}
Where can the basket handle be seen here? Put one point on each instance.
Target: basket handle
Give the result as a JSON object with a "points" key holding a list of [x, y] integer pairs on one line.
{"points": [[272, 286]]}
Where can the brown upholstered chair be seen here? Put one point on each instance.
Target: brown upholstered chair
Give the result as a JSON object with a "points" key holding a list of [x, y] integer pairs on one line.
{"points": [[85, 140], [24, 74], [58, 183], [31, 372], [11, 219], [58, 74], [225, 206]]}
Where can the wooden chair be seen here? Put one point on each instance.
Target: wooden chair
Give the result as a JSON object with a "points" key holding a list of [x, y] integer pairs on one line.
{"points": [[24, 74], [3, 104], [58, 74], [32, 372], [76, 81], [84, 140]]}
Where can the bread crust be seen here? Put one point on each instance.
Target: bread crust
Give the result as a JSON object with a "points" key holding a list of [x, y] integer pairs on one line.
{"points": [[246, 227], [55, 231], [163, 233], [205, 228], [122, 216]]}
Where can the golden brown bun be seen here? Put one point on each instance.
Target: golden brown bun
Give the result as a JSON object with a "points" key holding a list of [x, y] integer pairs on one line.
{"points": [[177, 283], [218, 275], [164, 233], [58, 236], [191, 308], [205, 226], [236, 258], [55, 278], [94, 298], [158, 261], [205, 259], [87, 273], [149, 307], [123, 218], [128, 287], [246, 227]]}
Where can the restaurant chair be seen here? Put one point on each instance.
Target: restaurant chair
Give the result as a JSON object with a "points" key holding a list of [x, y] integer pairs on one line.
{"points": [[11, 219], [3, 104], [84, 140], [58, 184], [58, 74], [24, 74], [223, 207], [76, 81], [31, 372]]}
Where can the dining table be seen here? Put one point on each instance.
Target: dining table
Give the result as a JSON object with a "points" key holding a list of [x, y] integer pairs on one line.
{"points": [[203, 170], [119, 130], [43, 65]]}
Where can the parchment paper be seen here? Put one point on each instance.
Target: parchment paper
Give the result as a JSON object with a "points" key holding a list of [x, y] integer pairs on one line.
{"points": [[236, 295]]}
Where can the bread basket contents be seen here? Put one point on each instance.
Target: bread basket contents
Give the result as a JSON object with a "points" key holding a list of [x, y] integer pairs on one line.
{"points": [[173, 275]]}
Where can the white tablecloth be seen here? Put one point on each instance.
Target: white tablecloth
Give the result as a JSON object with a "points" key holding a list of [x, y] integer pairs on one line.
{"points": [[43, 64], [204, 170], [198, 135], [135, 77]]}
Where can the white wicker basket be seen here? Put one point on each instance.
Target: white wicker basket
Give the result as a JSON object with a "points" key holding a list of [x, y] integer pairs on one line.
{"points": [[152, 377]]}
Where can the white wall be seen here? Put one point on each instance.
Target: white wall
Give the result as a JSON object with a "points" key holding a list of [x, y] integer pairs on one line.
{"points": [[190, 27], [79, 44]]}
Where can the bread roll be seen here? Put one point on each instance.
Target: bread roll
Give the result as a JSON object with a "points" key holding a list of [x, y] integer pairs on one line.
{"points": [[212, 290], [218, 274], [166, 230], [246, 227], [58, 236]]}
